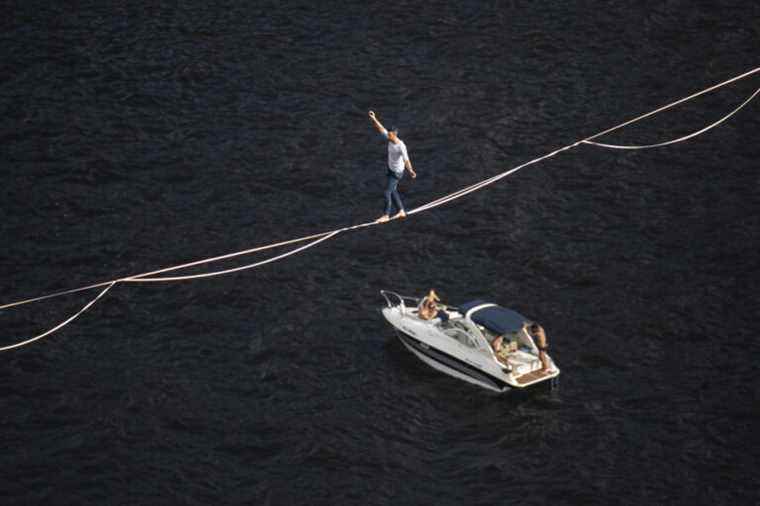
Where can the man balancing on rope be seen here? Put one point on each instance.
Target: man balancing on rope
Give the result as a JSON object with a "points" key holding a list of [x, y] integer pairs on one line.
{"points": [[398, 160]]}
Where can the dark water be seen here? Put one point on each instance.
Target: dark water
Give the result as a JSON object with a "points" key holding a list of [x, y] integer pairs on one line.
{"points": [[136, 137]]}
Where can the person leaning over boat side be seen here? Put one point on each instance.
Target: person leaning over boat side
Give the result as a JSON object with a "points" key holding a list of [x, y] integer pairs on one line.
{"points": [[538, 333], [398, 160]]}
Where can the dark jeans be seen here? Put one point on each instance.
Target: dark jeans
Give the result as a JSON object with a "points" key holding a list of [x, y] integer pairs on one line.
{"points": [[391, 193]]}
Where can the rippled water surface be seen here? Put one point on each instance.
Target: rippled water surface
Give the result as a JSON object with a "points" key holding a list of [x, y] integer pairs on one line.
{"points": [[139, 136]]}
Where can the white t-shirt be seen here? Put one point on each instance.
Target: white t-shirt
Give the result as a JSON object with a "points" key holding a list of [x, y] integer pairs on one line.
{"points": [[397, 155]]}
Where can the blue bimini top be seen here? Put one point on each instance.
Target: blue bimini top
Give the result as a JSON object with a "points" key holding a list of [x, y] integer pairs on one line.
{"points": [[495, 318]]}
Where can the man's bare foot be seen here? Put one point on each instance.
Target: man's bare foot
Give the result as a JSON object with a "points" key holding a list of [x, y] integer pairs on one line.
{"points": [[382, 219], [400, 214]]}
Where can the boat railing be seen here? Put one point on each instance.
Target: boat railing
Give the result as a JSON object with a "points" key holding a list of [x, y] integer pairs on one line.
{"points": [[394, 299]]}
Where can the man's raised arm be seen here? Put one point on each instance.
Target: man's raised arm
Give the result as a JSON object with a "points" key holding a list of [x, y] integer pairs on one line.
{"points": [[378, 126]]}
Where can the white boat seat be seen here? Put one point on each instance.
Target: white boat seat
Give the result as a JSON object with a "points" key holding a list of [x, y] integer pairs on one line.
{"points": [[523, 362]]}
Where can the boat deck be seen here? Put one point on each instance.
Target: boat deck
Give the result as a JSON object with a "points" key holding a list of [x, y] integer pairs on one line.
{"points": [[533, 376]]}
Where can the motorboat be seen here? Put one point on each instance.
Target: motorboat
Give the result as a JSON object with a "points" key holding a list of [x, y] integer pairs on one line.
{"points": [[459, 341]]}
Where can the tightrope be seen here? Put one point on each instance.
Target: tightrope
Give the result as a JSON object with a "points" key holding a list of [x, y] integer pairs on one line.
{"points": [[315, 239], [679, 139], [63, 323]]}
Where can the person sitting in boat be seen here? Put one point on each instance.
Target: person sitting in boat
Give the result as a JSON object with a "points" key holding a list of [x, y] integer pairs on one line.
{"points": [[502, 349], [540, 336], [428, 308]]}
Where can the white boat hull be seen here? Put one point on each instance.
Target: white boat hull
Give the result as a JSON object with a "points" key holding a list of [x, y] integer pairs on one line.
{"points": [[459, 349], [451, 371]]}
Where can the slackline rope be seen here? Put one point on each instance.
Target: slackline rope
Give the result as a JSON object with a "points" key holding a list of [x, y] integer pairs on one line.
{"points": [[63, 323], [679, 139], [152, 276]]}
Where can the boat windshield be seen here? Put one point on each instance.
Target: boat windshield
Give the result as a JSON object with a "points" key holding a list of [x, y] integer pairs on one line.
{"points": [[458, 332]]}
